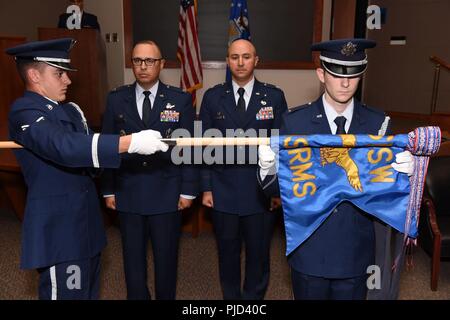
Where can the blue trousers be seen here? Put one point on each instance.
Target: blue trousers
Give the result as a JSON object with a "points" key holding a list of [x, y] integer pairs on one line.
{"points": [[163, 230], [256, 230], [73, 280], [307, 287]]}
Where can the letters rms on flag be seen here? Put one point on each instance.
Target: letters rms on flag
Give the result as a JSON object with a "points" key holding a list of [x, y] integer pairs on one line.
{"points": [[317, 172]]}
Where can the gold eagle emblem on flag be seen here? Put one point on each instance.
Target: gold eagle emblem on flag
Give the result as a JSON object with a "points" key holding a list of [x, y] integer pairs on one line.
{"points": [[341, 156]]}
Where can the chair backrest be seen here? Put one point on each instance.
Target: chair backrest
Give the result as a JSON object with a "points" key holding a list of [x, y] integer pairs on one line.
{"points": [[437, 184]]}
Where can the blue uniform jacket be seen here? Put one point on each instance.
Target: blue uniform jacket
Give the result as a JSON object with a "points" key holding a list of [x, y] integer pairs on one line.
{"points": [[87, 21], [149, 184], [234, 186], [344, 245], [62, 220]]}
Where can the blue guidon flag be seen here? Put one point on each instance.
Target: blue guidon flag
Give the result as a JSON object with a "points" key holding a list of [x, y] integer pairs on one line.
{"points": [[317, 172], [239, 26]]}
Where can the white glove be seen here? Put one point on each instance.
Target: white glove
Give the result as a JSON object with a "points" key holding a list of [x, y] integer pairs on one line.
{"points": [[147, 142], [266, 161], [404, 163], [266, 157]]}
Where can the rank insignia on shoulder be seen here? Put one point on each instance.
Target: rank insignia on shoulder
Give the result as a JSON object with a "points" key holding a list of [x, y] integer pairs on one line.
{"points": [[263, 102], [169, 116], [220, 116], [49, 107], [265, 113]]}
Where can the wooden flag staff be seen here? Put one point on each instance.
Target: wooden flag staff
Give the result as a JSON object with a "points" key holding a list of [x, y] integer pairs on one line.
{"points": [[186, 142], [213, 142], [9, 145], [196, 142]]}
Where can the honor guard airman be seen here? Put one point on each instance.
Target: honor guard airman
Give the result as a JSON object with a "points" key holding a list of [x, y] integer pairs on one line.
{"points": [[63, 232], [332, 263]]}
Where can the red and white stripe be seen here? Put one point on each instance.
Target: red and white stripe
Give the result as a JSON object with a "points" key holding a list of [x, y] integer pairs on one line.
{"points": [[188, 51]]}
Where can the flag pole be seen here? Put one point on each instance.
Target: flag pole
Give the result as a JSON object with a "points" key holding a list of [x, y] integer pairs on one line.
{"points": [[187, 142], [9, 145], [199, 142], [217, 142]]}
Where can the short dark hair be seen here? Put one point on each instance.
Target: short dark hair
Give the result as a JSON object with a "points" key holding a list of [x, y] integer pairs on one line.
{"points": [[150, 42], [24, 65]]}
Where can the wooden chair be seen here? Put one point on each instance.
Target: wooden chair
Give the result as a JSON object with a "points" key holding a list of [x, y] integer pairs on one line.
{"points": [[434, 226]]}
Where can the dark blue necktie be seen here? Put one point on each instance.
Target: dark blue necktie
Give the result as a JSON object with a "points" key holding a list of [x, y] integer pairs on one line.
{"points": [[146, 109], [241, 103], [340, 122]]}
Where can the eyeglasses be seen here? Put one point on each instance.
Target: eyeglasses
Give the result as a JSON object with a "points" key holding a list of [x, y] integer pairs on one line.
{"points": [[149, 62]]}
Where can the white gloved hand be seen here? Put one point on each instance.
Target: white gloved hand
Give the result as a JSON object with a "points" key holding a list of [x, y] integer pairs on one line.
{"points": [[404, 163], [266, 157], [147, 142], [266, 161]]}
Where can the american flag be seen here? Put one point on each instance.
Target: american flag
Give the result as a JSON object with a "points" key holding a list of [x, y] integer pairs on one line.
{"points": [[188, 51]]}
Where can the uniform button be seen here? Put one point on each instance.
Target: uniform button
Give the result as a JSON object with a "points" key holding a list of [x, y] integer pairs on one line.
{"points": [[144, 164]]}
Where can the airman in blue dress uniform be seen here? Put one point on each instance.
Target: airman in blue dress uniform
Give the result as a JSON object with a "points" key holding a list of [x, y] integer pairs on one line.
{"points": [[149, 192], [240, 208], [332, 263], [63, 231]]}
